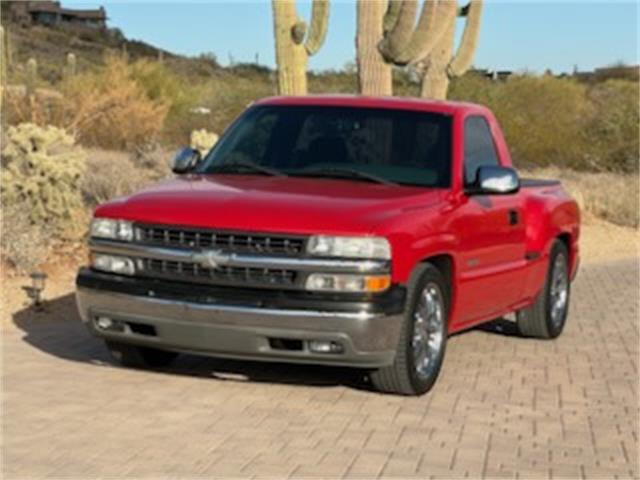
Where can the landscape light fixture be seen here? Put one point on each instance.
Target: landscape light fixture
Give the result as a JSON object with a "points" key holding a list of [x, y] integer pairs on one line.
{"points": [[34, 292]]}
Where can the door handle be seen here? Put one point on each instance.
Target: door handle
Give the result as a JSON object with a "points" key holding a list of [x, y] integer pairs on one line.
{"points": [[513, 217]]}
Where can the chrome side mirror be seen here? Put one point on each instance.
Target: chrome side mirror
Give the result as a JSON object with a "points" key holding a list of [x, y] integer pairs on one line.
{"points": [[494, 180], [185, 160]]}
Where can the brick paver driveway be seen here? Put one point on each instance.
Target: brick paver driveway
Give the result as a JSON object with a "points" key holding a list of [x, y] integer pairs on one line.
{"points": [[503, 407]]}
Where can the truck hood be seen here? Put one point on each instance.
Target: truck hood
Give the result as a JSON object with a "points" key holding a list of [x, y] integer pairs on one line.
{"points": [[270, 204]]}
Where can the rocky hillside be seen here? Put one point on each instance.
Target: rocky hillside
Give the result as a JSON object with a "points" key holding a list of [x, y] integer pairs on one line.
{"points": [[49, 46]]}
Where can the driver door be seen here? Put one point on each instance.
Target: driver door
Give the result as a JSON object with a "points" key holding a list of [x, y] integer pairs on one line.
{"points": [[491, 235]]}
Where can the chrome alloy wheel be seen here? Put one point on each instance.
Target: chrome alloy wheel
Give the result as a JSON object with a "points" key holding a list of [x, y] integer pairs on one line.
{"points": [[428, 330], [559, 290]]}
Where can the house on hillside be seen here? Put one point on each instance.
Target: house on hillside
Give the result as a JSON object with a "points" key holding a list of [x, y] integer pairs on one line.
{"points": [[495, 75], [622, 72], [51, 13]]}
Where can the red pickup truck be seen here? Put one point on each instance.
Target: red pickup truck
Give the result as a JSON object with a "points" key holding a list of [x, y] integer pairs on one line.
{"points": [[333, 230]]}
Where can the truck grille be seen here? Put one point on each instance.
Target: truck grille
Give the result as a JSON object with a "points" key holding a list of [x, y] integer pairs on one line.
{"points": [[225, 241], [188, 271]]}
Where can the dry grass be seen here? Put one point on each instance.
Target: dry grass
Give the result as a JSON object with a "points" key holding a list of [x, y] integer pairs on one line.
{"points": [[609, 196]]}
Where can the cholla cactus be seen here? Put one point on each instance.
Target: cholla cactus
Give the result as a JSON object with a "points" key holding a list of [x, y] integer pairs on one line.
{"points": [[203, 141], [295, 42], [42, 168]]}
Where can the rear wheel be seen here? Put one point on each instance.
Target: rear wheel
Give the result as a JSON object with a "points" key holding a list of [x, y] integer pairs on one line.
{"points": [[140, 357], [422, 340], [547, 316]]}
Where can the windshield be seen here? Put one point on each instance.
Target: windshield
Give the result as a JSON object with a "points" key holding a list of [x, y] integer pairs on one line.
{"points": [[361, 144]]}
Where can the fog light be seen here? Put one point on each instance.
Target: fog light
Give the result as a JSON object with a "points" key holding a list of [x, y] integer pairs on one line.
{"points": [[325, 346], [109, 324], [104, 323], [347, 283], [113, 264]]}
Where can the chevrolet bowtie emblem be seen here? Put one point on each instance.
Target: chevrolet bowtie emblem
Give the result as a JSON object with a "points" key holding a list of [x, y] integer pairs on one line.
{"points": [[213, 258]]}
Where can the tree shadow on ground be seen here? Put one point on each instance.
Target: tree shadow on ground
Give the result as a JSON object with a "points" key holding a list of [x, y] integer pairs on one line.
{"points": [[56, 329]]}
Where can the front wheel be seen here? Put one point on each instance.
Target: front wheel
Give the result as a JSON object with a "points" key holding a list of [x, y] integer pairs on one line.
{"points": [[423, 338], [548, 314]]}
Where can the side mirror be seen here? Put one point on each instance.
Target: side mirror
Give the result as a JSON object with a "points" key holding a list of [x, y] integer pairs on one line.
{"points": [[185, 160], [492, 180]]}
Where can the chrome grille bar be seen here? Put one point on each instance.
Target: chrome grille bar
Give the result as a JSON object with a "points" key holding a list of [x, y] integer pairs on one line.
{"points": [[202, 258]]}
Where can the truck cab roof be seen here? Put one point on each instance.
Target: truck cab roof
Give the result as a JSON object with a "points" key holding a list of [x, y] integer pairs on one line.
{"points": [[392, 103]]}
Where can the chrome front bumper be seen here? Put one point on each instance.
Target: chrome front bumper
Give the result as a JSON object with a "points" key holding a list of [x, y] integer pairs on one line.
{"points": [[368, 339]]}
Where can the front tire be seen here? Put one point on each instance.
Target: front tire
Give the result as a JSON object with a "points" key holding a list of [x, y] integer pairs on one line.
{"points": [[548, 314], [423, 337], [140, 357]]}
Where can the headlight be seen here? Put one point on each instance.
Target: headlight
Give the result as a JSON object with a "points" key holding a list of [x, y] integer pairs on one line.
{"points": [[112, 229], [352, 247], [113, 264], [329, 282]]}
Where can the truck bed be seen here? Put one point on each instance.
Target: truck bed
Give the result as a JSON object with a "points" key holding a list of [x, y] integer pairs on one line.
{"points": [[538, 182]]}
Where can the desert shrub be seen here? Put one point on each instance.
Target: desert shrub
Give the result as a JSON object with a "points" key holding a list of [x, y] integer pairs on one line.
{"points": [[153, 161], [225, 96], [543, 120], [42, 168], [107, 108], [331, 81], [110, 109], [474, 87], [162, 85], [613, 129], [24, 244], [203, 141], [110, 174], [552, 121]]}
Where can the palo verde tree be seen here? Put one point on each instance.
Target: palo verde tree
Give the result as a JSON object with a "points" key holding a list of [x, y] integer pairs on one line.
{"points": [[426, 45], [295, 42]]}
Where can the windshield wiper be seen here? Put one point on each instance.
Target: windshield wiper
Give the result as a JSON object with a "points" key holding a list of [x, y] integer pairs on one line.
{"points": [[239, 166], [344, 173]]}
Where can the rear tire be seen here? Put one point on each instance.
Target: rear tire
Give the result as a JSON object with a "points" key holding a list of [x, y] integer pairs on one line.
{"points": [[423, 337], [548, 314], [140, 357]]}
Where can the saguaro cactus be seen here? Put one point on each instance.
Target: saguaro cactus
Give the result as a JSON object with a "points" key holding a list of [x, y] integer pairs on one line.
{"points": [[374, 74], [3, 57], [6, 57], [428, 44], [443, 65], [32, 77], [294, 44], [71, 66]]}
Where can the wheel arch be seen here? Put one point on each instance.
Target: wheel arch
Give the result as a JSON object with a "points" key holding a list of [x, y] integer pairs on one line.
{"points": [[566, 239], [445, 264], [570, 243]]}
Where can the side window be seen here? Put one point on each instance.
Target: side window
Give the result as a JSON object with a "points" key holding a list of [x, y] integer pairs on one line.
{"points": [[479, 149]]}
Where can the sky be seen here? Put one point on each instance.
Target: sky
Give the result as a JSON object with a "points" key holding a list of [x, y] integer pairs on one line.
{"points": [[515, 35]]}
